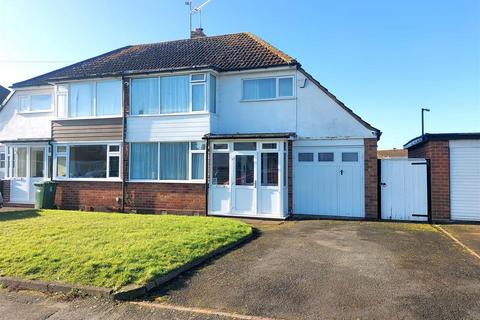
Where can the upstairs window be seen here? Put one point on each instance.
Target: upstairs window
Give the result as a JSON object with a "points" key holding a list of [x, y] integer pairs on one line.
{"points": [[267, 88], [89, 99], [35, 103], [172, 94]]}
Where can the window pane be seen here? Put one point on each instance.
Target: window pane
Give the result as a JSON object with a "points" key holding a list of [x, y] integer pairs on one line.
{"points": [[244, 170], [61, 167], [198, 77], [198, 97], [37, 159], [325, 156], [144, 161], [2, 156], [259, 89], [305, 157], [81, 100], [220, 146], [61, 105], [114, 167], [61, 149], [197, 166], [198, 145], [242, 146], [349, 156], [285, 87], [88, 161], [41, 102], [114, 148], [21, 163], [174, 94], [144, 96], [269, 146], [269, 169], [173, 161], [213, 94], [220, 168], [109, 96], [24, 101]]}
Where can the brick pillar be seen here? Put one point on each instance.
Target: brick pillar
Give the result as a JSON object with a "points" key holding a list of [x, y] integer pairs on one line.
{"points": [[439, 154], [371, 179]]}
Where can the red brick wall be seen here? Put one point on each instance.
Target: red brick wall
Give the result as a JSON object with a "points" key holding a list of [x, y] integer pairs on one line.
{"points": [[88, 195], [439, 154], [178, 198], [371, 178]]}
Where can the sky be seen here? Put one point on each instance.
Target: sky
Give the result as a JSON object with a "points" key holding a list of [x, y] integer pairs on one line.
{"points": [[384, 59]]}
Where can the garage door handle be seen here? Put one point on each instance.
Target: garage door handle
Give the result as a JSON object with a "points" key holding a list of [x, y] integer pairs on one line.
{"points": [[383, 184]]}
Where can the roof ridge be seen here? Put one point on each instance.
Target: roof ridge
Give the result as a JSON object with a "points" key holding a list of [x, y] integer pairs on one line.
{"points": [[189, 39], [272, 48]]}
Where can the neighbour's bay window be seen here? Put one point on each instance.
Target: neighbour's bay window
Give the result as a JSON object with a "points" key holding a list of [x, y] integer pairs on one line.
{"points": [[167, 161], [173, 94], [87, 161], [268, 88], [89, 99]]}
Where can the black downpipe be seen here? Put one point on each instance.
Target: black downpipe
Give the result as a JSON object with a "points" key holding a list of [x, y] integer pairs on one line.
{"points": [[429, 190]]}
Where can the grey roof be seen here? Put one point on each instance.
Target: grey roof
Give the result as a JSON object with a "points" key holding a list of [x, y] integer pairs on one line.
{"points": [[4, 92], [230, 52], [415, 142]]}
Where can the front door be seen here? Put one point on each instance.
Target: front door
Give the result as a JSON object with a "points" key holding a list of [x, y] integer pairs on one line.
{"points": [[26, 165], [244, 187]]}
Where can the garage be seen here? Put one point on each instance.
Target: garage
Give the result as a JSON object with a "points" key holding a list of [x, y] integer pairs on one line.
{"points": [[465, 179], [328, 180]]}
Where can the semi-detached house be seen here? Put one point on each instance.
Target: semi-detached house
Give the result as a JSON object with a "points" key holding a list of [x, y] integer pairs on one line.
{"points": [[221, 125]]}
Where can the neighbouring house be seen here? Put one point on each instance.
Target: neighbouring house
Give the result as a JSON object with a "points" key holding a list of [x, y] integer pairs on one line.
{"points": [[4, 92], [455, 173], [222, 125], [392, 153]]}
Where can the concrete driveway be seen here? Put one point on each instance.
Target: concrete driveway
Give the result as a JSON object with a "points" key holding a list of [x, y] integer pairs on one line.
{"points": [[468, 234], [338, 270]]}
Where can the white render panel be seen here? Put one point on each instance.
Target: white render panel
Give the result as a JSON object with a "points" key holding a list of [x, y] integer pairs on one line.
{"points": [[465, 179], [15, 125], [191, 127]]}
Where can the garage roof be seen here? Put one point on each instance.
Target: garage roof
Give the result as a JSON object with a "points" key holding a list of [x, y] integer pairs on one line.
{"points": [[415, 142]]}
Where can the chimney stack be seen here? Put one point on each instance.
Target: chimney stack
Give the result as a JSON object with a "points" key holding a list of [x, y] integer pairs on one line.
{"points": [[197, 33]]}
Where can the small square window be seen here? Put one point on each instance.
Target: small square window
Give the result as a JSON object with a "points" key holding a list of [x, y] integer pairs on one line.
{"points": [[245, 146], [269, 146], [325, 156], [349, 156], [114, 148], [61, 149], [220, 146], [197, 145], [198, 77], [305, 157]]}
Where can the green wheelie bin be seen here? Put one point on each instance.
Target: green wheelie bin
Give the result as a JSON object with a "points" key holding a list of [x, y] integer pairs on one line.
{"points": [[45, 195]]}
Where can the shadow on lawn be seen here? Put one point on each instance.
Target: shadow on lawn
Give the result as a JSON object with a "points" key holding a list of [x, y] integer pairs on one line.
{"points": [[18, 215], [182, 280]]}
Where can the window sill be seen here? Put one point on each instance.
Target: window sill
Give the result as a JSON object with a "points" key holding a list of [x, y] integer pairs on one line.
{"points": [[35, 111], [168, 114], [88, 179], [270, 99], [167, 181], [88, 118]]}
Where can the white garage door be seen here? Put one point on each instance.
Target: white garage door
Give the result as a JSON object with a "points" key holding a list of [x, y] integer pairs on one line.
{"points": [[328, 181], [465, 179]]}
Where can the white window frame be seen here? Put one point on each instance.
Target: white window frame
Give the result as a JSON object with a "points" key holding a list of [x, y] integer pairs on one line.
{"points": [[66, 154], [28, 97], [4, 161], [277, 88], [66, 93], [189, 160], [206, 87]]}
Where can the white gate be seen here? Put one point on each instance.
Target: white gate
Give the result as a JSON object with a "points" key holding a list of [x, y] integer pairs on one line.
{"points": [[404, 189]]}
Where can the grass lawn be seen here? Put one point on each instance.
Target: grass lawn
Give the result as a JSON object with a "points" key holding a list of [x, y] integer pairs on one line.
{"points": [[106, 249]]}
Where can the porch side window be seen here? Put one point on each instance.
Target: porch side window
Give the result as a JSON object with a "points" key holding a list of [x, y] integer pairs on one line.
{"points": [[220, 168], [269, 171], [21, 162], [37, 162]]}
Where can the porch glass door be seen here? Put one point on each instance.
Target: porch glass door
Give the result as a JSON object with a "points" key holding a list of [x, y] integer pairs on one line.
{"points": [[244, 191]]}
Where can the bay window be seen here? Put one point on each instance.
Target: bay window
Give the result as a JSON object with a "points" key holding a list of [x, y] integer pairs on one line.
{"points": [[89, 99], [167, 161], [172, 94], [87, 161], [268, 88]]}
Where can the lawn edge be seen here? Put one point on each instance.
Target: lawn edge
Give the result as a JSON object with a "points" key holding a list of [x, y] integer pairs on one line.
{"points": [[133, 291], [129, 292]]}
